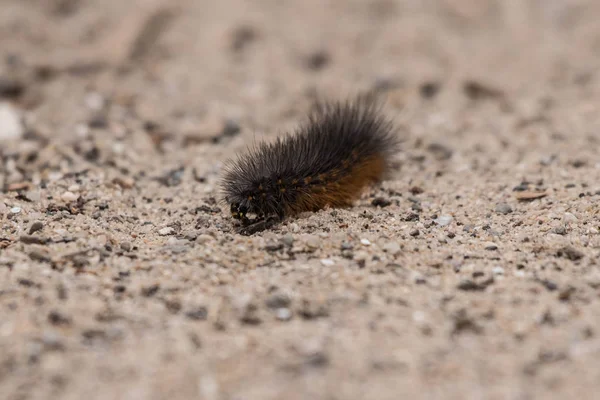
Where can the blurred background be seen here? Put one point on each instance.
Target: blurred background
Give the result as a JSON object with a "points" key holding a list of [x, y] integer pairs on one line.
{"points": [[187, 62], [191, 72]]}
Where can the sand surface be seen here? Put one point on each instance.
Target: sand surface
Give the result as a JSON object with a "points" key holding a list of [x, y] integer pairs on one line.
{"points": [[473, 273]]}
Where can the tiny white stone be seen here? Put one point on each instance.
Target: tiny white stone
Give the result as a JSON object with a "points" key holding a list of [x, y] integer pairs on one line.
{"points": [[327, 262], [366, 242], [11, 126], [498, 270], [444, 220], [166, 231], [284, 314], [73, 188], [68, 196], [15, 210]]}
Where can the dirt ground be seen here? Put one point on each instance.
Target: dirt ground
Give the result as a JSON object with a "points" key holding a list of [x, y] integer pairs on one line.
{"points": [[473, 274]]}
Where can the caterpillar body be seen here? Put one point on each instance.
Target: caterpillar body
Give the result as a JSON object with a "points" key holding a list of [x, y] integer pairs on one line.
{"points": [[340, 149]]}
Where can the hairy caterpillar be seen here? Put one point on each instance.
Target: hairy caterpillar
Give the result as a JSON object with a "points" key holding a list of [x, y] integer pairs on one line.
{"points": [[340, 149]]}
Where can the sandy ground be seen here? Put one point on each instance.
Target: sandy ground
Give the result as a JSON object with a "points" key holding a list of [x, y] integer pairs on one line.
{"points": [[473, 274]]}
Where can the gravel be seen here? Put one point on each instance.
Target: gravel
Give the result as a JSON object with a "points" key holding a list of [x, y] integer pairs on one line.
{"points": [[471, 272], [504, 208]]}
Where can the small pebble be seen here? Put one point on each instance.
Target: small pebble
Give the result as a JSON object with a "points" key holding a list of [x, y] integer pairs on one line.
{"points": [[443, 220], [490, 246], [28, 239], [15, 210], [468, 285], [327, 262], [348, 254], [124, 182], [273, 246], [197, 313], [278, 301], [365, 242], [68, 196], [503, 208], [151, 290], [440, 151], [498, 270], [419, 279], [17, 186], [346, 246], [126, 246], [11, 126], [288, 240], [411, 217], [35, 226], [560, 230], [570, 253], [523, 186], [284, 314], [414, 233], [166, 231], [565, 293], [191, 236], [380, 202]]}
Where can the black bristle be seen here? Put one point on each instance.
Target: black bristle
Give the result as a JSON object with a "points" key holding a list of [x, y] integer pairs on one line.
{"points": [[327, 161]]}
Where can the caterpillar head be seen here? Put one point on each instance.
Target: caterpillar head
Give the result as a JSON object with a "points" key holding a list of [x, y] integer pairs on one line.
{"points": [[245, 209], [239, 211]]}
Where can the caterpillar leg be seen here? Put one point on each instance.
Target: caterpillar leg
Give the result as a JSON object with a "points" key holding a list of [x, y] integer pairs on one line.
{"points": [[259, 226]]}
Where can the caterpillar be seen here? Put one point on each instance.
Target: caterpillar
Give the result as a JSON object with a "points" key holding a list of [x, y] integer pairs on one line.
{"points": [[341, 148]]}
